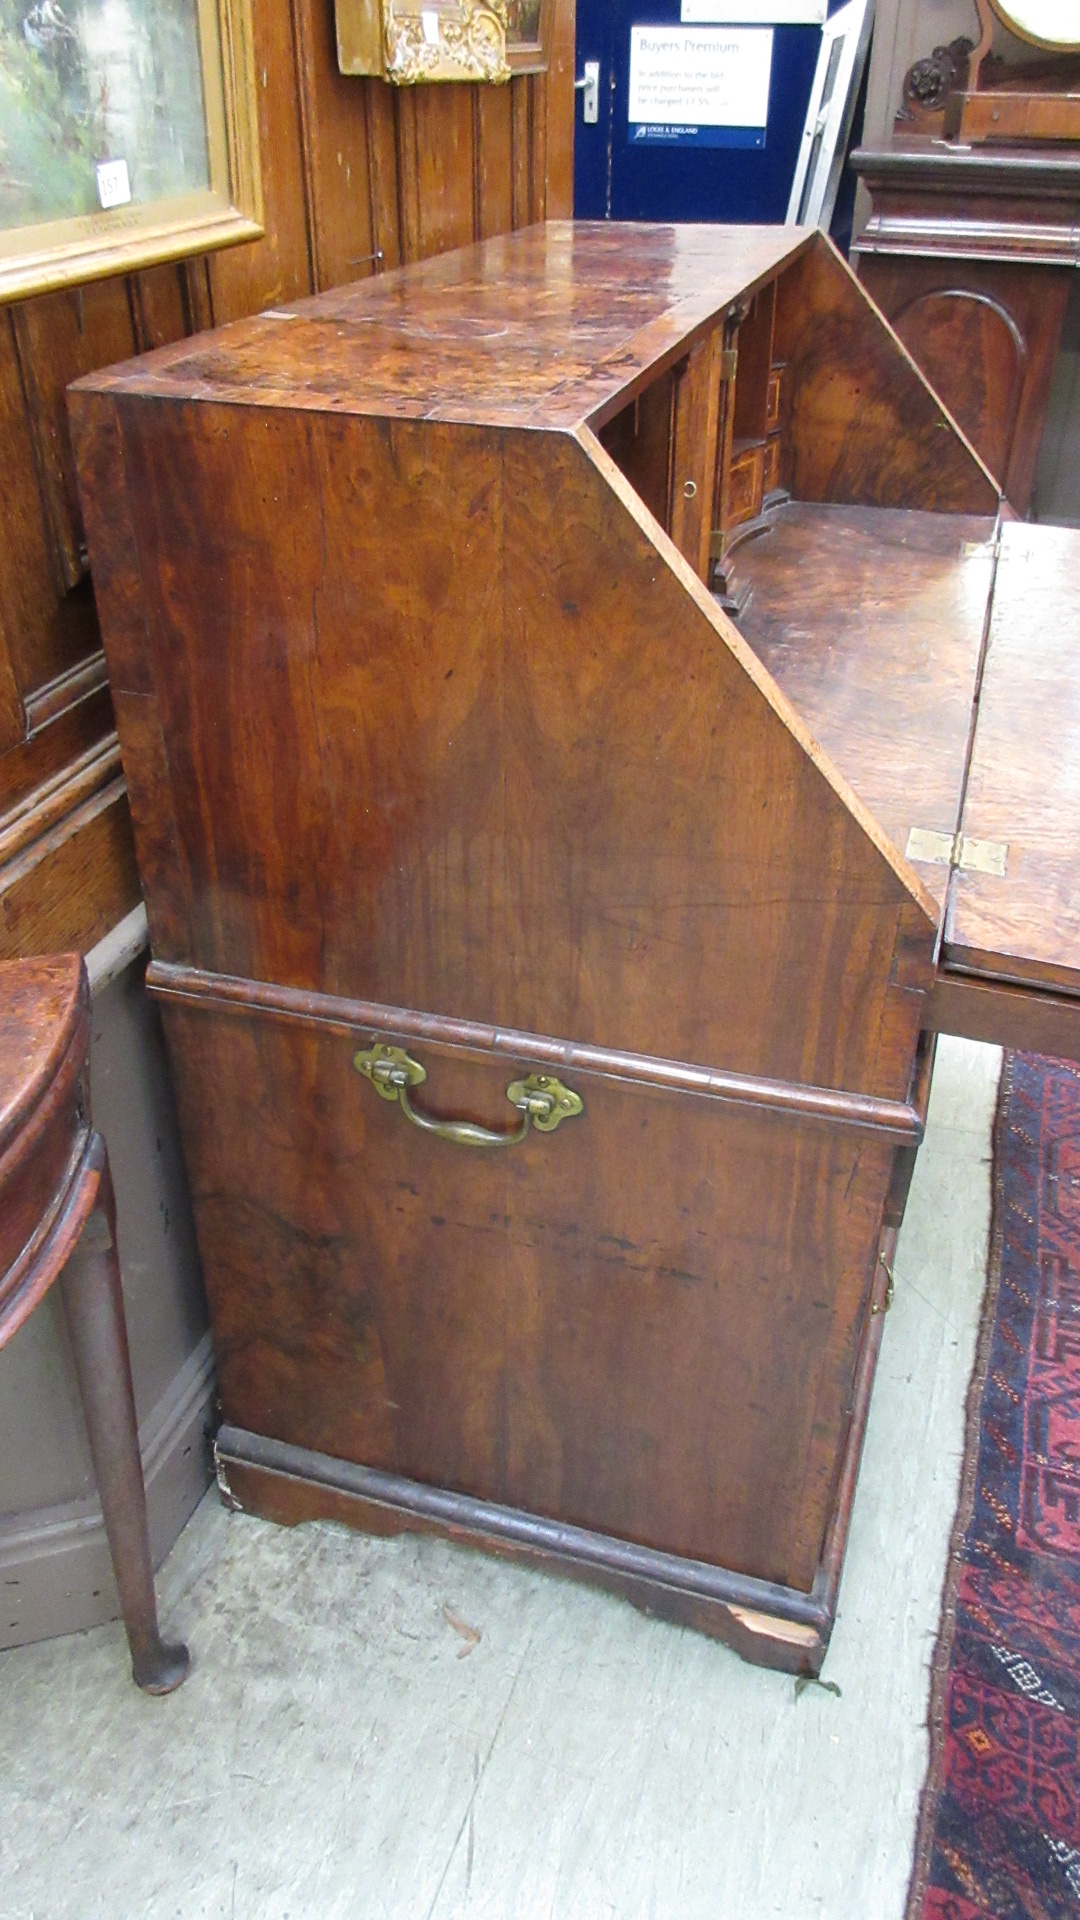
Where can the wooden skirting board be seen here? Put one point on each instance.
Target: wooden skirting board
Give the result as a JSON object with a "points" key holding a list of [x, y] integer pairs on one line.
{"points": [[55, 1572]]}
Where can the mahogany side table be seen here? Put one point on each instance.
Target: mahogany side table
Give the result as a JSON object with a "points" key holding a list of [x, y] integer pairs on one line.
{"points": [[58, 1223]]}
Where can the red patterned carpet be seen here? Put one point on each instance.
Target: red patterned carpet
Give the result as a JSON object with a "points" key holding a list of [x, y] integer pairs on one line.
{"points": [[999, 1827]]}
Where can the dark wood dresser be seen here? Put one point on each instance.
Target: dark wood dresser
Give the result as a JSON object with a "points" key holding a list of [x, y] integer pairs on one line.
{"points": [[970, 253], [550, 965]]}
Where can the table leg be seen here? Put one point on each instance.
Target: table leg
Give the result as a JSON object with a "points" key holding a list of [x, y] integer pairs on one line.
{"points": [[94, 1307]]}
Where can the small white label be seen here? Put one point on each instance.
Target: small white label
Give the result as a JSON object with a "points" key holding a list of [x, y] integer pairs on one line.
{"points": [[429, 21], [754, 13], [113, 185]]}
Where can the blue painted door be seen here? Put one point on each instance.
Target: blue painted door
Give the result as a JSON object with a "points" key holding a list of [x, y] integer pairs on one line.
{"points": [[620, 178]]}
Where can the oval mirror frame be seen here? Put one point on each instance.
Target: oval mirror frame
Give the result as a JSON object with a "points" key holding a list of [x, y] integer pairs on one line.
{"points": [[1045, 23]]}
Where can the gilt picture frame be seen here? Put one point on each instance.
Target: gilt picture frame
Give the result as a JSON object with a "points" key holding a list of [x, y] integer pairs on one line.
{"points": [[528, 35], [128, 137], [412, 41]]}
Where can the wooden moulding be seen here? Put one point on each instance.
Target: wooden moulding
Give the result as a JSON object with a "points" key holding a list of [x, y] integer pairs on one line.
{"points": [[772, 1625], [224, 994], [931, 200], [93, 775], [68, 690], [67, 859], [977, 239], [1005, 1013]]}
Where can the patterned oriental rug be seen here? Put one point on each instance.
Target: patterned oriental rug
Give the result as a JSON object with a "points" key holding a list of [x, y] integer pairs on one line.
{"points": [[999, 1825]]}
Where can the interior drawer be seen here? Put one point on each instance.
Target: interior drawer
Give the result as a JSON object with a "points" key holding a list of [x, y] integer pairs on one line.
{"points": [[772, 398], [746, 480]]}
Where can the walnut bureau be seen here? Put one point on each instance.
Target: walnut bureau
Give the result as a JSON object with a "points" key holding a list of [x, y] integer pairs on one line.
{"points": [[550, 959]]}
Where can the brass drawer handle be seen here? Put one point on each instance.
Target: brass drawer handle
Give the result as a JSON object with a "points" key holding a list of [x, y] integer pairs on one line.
{"points": [[542, 1100]]}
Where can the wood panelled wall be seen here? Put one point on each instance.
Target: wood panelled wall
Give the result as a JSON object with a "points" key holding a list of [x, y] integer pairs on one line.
{"points": [[358, 176]]}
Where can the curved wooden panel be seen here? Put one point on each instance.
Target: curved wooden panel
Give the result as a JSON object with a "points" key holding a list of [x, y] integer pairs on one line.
{"points": [[44, 1042], [953, 332], [861, 424]]}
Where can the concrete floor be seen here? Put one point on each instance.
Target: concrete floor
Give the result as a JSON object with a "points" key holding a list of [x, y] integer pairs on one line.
{"points": [[404, 1728]]}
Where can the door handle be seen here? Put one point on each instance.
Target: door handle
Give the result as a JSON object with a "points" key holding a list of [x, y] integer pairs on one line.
{"points": [[589, 88]]}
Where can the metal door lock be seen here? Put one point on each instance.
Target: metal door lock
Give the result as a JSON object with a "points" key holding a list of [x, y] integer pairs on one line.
{"points": [[589, 88]]}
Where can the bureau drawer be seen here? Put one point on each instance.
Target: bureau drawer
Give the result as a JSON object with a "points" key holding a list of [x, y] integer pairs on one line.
{"points": [[643, 1321], [745, 485]]}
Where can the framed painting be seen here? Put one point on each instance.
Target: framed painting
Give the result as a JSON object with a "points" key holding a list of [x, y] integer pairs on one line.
{"points": [[408, 41], [528, 33], [128, 136]]}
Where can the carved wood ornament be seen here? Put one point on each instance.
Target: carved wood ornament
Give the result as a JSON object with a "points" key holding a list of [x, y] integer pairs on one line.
{"points": [[967, 89], [409, 41]]}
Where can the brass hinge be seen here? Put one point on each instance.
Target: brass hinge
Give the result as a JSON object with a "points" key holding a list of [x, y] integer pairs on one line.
{"points": [[983, 856], [729, 363], [890, 1287], [958, 850]]}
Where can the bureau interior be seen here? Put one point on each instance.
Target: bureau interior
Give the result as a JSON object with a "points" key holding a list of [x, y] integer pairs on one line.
{"points": [[865, 600]]}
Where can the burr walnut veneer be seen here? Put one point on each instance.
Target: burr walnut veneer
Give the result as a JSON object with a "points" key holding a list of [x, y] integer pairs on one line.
{"points": [[549, 963]]}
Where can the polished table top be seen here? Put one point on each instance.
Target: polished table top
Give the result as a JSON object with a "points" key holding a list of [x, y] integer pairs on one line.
{"points": [[545, 327]]}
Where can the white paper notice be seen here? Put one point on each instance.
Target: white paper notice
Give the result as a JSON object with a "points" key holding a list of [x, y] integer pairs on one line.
{"points": [[700, 76], [113, 185], [429, 26], [755, 13]]}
